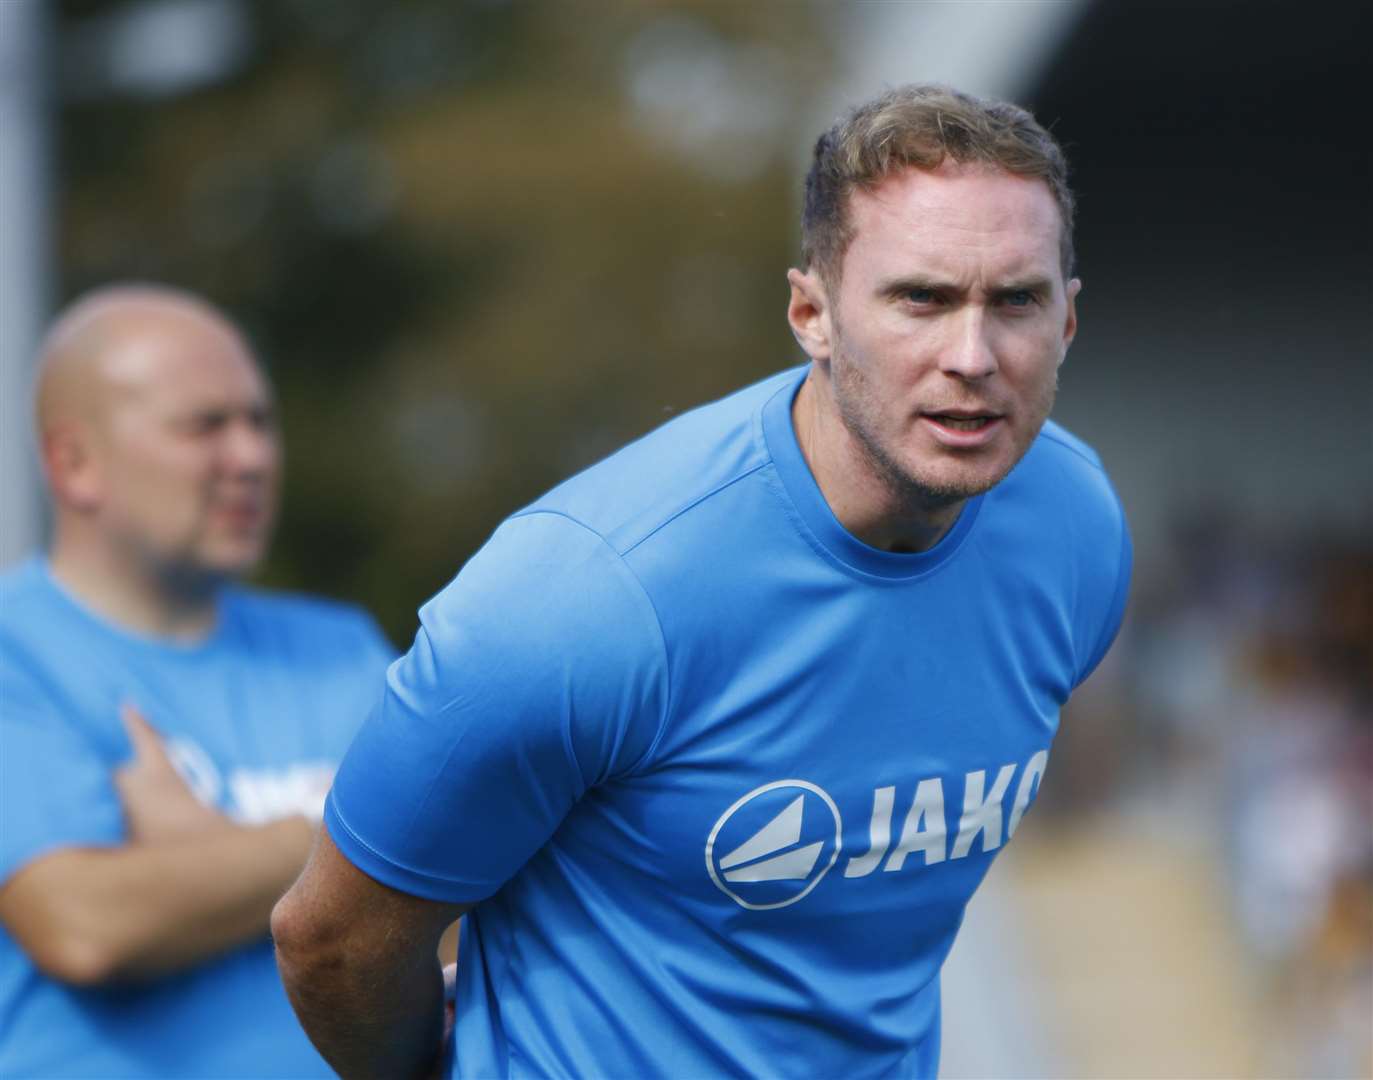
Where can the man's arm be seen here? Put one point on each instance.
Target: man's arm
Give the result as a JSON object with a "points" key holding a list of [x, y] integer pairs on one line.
{"points": [[189, 884], [90, 915], [360, 964]]}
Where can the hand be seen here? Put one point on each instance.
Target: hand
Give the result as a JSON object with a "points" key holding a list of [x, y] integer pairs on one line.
{"points": [[158, 805], [450, 1007]]}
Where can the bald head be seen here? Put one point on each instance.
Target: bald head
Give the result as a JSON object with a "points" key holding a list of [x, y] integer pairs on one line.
{"points": [[97, 347], [157, 436]]}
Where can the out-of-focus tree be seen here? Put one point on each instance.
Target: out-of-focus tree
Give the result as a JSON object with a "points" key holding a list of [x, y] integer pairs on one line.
{"points": [[479, 245]]}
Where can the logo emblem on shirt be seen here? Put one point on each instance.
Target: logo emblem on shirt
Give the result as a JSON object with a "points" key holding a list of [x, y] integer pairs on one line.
{"points": [[774, 845]]}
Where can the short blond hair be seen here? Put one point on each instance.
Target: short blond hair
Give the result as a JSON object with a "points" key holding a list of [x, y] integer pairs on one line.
{"points": [[919, 126]]}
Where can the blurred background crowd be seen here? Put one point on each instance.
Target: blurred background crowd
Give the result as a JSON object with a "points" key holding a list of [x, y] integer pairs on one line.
{"points": [[480, 243]]}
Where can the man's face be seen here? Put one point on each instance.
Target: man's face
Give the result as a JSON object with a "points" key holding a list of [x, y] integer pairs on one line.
{"points": [[186, 449], [947, 328]]}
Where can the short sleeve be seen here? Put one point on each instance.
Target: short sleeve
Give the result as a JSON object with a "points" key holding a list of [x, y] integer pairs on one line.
{"points": [[56, 788], [537, 674], [1111, 594]]}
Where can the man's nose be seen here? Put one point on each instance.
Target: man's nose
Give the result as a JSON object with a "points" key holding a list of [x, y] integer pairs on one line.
{"points": [[249, 447], [969, 354]]}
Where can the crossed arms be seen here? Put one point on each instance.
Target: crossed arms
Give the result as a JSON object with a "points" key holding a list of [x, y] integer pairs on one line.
{"points": [[189, 883]]}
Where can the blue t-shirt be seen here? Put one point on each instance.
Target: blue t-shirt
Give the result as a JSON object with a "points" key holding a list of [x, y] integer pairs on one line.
{"points": [[256, 718], [722, 776]]}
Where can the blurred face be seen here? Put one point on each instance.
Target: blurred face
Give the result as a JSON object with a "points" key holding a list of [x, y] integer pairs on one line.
{"points": [[186, 452], [940, 346]]}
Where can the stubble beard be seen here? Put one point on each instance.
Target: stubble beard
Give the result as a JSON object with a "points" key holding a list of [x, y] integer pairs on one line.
{"points": [[197, 567], [860, 410], [187, 578]]}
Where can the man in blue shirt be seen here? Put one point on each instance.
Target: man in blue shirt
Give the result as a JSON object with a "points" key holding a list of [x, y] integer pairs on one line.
{"points": [[166, 737], [713, 742]]}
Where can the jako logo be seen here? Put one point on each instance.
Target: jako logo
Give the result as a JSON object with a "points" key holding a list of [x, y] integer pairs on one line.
{"points": [[774, 845]]}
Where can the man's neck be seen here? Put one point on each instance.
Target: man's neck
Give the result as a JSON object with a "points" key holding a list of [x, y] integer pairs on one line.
{"points": [[132, 597], [865, 502]]}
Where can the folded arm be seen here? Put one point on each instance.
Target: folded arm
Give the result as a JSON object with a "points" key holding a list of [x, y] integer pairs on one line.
{"points": [[361, 966], [188, 884], [90, 915]]}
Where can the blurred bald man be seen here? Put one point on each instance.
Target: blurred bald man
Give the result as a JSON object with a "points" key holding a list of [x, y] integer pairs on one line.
{"points": [[166, 735]]}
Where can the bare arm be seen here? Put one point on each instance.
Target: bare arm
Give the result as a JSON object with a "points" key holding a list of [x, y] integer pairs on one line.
{"points": [[189, 884], [90, 915], [360, 964]]}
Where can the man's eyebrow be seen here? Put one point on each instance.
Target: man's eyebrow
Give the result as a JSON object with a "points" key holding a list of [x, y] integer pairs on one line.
{"points": [[1037, 284], [1040, 285], [909, 282]]}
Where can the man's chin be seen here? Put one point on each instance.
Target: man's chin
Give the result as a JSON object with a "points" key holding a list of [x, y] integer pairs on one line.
{"points": [[954, 477], [944, 487], [937, 478], [228, 562]]}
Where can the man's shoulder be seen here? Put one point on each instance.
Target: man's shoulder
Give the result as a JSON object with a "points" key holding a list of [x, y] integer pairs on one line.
{"points": [[26, 622], [301, 616], [1072, 518], [294, 608], [1060, 506], [273, 603], [30, 604], [21, 584], [1061, 439], [1061, 463], [675, 467]]}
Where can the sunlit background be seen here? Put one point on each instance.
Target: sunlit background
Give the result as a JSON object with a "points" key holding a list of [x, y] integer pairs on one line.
{"points": [[480, 244]]}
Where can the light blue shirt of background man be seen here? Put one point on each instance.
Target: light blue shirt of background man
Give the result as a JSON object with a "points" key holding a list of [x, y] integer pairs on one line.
{"points": [[166, 735]]}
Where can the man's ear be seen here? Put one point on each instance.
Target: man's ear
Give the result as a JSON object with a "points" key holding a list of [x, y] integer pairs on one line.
{"points": [[72, 467], [809, 313], [1070, 319]]}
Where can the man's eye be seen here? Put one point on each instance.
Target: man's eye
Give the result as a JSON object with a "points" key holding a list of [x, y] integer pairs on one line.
{"points": [[921, 296], [1019, 298], [205, 424]]}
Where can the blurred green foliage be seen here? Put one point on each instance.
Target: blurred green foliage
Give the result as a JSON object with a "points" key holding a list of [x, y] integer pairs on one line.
{"points": [[477, 245]]}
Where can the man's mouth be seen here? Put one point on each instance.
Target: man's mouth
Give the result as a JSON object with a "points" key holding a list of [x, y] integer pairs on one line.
{"points": [[963, 421], [963, 429], [240, 512]]}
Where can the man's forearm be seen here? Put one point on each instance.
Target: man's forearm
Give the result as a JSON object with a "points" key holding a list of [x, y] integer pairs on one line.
{"points": [[360, 963], [89, 915], [369, 1017]]}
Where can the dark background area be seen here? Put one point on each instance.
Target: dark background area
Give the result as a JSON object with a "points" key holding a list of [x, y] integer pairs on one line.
{"points": [[1225, 362]]}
